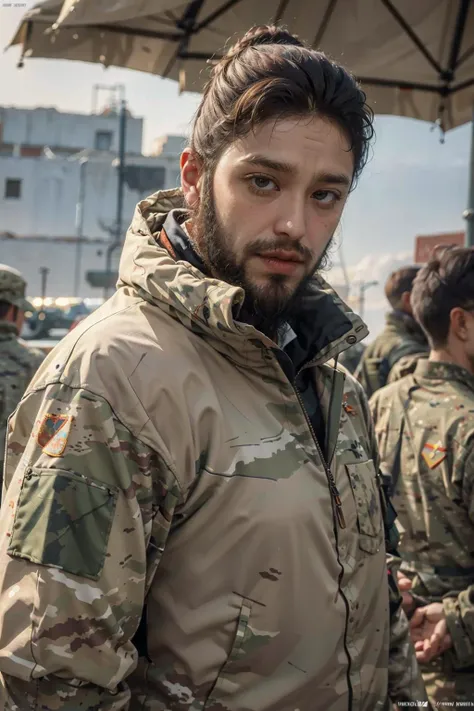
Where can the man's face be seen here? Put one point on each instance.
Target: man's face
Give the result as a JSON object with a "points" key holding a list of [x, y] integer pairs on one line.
{"points": [[16, 317], [268, 213], [20, 320]]}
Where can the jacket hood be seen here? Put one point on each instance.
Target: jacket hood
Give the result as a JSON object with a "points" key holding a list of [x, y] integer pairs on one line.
{"points": [[210, 306]]}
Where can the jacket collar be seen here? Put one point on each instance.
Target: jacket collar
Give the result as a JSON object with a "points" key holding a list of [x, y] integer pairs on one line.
{"points": [[432, 370], [211, 307], [405, 324]]}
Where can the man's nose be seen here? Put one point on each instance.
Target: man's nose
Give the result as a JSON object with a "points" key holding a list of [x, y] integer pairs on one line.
{"points": [[292, 220]]}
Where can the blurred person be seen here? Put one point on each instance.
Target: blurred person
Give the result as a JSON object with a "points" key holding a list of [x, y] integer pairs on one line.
{"points": [[402, 339], [351, 357], [425, 431], [18, 362], [193, 516]]}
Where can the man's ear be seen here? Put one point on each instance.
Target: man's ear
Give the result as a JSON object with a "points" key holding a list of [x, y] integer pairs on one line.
{"points": [[458, 323], [191, 174], [406, 303]]}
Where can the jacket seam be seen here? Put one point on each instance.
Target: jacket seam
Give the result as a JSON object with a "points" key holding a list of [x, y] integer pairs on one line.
{"points": [[57, 378]]}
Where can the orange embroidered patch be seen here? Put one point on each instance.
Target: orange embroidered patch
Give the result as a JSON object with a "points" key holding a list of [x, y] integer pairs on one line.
{"points": [[53, 434], [348, 409], [434, 454]]}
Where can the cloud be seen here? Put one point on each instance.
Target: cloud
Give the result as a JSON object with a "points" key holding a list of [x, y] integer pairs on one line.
{"points": [[369, 268]]}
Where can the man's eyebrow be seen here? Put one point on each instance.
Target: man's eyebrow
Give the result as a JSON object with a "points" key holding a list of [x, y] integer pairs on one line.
{"points": [[271, 164], [289, 169], [334, 178]]}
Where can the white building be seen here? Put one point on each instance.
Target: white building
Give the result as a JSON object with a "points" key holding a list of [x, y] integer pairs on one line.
{"points": [[64, 132], [52, 161]]}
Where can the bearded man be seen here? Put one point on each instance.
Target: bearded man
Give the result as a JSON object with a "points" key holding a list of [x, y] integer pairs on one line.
{"points": [[193, 517]]}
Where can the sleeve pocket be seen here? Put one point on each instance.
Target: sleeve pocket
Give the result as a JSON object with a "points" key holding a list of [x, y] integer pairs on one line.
{"points": [[63, 520]]}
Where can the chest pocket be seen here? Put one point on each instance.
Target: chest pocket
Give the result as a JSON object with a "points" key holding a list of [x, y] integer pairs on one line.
{"points": [[367, 500]]}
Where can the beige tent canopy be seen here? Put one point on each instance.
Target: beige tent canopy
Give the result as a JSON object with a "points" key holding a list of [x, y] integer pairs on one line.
{"points": [[414, 57]]}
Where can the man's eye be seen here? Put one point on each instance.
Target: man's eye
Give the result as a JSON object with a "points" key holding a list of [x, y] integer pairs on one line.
{"points": [[326, 197], [262, 183]]}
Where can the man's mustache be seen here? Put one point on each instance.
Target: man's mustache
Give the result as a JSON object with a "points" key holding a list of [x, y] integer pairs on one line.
{"points": [[279, 243]]}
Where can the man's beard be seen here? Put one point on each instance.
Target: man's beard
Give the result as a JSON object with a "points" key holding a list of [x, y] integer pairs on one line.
{"points": [[267, 307]]}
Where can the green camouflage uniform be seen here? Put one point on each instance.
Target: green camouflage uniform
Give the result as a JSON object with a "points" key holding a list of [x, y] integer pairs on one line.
{"points": [[401, 338], [425, 432], [18, 363], [162, 472]]}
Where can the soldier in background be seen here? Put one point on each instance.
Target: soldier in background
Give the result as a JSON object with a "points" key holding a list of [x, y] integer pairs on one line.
{"points": [[401, 340], [425, 431], [18, 363], [351, 357]]}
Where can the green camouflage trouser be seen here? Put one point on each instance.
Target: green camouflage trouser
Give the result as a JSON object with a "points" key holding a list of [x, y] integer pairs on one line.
{"points": [[445, 687]]}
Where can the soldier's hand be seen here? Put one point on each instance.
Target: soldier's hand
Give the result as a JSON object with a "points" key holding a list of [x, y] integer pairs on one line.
{"points": [[429, 632], [404, 585]]}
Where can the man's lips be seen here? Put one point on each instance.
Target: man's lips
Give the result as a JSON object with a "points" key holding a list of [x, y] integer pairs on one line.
{"points": [[281, 261], [282, 255]]}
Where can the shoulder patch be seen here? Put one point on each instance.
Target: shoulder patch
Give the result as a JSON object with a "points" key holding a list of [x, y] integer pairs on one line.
{"points": [[53, 434], [434, 454]]}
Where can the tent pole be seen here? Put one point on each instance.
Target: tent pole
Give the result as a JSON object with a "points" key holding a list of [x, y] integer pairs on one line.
{"points": [[468, 214], [121, 168]]}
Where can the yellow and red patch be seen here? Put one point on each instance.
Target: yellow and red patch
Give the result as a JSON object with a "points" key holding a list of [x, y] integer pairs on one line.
{"points": [[434, 454], [53, 433]]}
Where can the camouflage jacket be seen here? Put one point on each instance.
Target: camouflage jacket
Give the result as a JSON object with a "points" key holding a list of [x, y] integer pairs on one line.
{"points": [[425, 431], [401, 338], [162, 456], [18, 364]]}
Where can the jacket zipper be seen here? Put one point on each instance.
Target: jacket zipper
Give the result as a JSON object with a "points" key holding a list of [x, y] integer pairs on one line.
{"points": [[342, 523], [332, 484]]}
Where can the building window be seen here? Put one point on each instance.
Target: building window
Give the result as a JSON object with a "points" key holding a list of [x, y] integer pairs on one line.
{"points": [[103, 140], [13, 188]]}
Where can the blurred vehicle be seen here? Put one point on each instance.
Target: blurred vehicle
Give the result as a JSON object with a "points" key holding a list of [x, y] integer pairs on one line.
{"points": [[56, 314]]}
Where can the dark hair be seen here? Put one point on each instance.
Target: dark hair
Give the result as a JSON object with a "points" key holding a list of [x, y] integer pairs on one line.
{"points": [[398, 283], [444, 283], [272, 74]]}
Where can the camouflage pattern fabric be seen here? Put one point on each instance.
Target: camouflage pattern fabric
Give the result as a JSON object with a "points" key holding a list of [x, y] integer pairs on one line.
{"points": [[425, 433], [161, 470], [406, 365], [400, 338], [18, 364]]}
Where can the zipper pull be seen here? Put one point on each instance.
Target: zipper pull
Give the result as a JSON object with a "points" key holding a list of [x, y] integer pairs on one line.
{"points": [[338, 503], [339, 511]]}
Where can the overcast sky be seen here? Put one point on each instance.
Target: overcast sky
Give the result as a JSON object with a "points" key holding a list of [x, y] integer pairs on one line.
{"points": [[412, 184]]}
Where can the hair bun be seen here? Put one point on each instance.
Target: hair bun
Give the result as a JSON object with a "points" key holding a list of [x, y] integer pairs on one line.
{"points": [[263, 34], [255, 37]]}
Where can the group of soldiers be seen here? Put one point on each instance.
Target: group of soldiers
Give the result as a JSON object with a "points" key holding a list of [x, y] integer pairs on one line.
{"points": [[419, 375]]}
